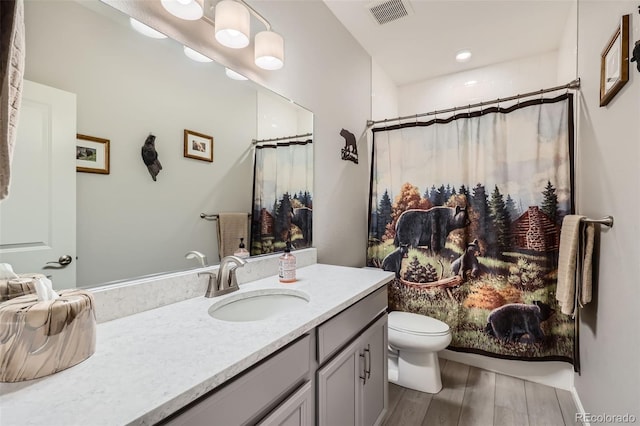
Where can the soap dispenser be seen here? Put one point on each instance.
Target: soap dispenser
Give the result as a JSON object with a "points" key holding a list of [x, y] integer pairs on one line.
{"points": [[287, 265], [242, 252]]}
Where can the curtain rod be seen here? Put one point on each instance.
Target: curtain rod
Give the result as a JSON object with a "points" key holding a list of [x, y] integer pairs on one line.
{"points": [[575, 84], [284, 138]]}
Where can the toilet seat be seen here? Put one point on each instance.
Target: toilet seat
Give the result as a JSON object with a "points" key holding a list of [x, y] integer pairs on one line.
{"points": [[416, 324]]}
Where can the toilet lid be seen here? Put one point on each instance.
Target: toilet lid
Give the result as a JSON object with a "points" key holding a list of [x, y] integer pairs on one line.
{"points": [[408, 322]]}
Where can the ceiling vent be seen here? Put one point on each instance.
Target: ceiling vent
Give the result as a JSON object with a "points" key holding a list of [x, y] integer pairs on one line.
{"points": [[391, 10]]}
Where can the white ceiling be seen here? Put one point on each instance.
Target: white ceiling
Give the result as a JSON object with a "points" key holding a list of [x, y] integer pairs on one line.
{"points": [[423, 44]]}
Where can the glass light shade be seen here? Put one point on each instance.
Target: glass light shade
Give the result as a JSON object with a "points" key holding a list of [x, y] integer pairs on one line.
{"points": [[232, 24], [145, 29], [269, 50], [195, 56], [234, 75], [190, 10]]}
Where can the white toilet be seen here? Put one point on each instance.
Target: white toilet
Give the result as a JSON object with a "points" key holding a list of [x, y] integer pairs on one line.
{"points": [[414, 343]]}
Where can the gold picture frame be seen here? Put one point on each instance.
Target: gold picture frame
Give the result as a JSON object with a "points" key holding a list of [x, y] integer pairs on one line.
{"points": [[198, 146], [92, 154], [614, 63]]}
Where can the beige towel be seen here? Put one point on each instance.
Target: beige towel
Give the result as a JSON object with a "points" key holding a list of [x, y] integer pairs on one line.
{"points": [[12, 57], [231, 227], [587, 264], [570, 241]]}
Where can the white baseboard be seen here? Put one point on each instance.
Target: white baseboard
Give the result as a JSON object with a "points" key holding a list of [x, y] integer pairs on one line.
{"points": [[551, 373], [579, 406]]}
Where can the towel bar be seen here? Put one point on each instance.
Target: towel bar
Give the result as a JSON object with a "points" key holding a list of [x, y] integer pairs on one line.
{"points": [[214, 216], [607, 221]]}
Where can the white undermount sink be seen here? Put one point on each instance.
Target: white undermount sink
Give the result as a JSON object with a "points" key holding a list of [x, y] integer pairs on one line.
{"points": [[258, 305]]}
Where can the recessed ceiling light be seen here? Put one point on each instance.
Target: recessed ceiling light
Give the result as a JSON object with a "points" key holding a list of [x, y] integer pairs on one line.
{"points": [[463, 55], [145, 29], [471, 83], [196, 56]]}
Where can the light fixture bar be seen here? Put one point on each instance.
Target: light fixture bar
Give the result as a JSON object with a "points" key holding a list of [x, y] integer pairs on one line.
{"points": [[256, 14]]}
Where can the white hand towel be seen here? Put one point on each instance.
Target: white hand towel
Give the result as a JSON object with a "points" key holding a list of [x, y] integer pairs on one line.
{"points": [[44, 289], [6, 272]]}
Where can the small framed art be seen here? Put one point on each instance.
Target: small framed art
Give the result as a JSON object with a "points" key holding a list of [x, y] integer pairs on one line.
{"points": [[614, 63], [92, 154], [198, 146]]}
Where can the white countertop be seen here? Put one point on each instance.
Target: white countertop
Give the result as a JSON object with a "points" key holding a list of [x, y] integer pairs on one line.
{"points": [[149, 365]]}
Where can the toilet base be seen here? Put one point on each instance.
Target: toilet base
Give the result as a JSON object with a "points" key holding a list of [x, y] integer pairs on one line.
{"points": [[416, 370]]}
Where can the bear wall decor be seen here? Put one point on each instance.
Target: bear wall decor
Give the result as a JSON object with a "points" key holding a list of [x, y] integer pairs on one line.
{"points": [[350, 150]]}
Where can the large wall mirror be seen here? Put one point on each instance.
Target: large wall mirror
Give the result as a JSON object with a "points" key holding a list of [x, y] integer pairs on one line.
{"points": [[127, 87]]}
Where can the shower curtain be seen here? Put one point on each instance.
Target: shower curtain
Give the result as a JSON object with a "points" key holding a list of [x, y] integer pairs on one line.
{"points": [[466, 211], [282, 196]]}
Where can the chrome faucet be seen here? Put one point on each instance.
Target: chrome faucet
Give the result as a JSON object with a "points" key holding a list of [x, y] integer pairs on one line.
{"points": [[202, 259], [226, 280]]}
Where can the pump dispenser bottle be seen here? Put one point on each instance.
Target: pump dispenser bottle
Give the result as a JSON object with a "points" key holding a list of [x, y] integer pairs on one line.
{"points": [[287, 265]]}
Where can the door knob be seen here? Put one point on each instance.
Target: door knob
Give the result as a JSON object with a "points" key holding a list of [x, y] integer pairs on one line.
{"points": [[63, 261]]}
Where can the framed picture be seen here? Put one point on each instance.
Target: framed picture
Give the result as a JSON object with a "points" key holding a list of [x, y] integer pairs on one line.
{"points": [[614, 63], [198, 146], [92, 154]]}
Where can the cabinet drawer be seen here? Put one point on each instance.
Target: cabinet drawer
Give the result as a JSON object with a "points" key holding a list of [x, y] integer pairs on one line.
{"points": [[337, 331], [252, 394]]}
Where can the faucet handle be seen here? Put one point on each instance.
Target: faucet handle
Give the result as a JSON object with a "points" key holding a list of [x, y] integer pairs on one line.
{"points": [[212, 284]]}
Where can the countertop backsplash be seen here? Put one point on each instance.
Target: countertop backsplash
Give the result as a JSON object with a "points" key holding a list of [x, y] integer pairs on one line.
{"points": [[131, 297]]}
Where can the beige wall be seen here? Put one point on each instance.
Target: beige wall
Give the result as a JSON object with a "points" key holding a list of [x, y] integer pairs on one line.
{"points": [[327, 71], [608, 184]]}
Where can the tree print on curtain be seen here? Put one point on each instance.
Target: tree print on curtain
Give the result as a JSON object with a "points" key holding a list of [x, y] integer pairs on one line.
{"points": [[467, 212], [282, 196]]}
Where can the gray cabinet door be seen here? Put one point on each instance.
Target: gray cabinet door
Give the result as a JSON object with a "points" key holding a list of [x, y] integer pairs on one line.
{"points": [[352, 387], [339, 387], [297, 410], [375, 388]]}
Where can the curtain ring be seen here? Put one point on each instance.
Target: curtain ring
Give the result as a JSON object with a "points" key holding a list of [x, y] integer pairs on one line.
{"points": [[518, 99], [498, 101], [469, 111], [416, 119]]}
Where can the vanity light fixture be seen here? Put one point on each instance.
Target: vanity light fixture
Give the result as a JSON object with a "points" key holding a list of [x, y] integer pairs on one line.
{"points": [[463, 55], [195, 56], [232, 28], [269, 50], [145, 29], [190, 10], [232, 24], [234, 75]]}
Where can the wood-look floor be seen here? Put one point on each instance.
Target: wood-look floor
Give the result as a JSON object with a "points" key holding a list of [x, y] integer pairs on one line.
{"points": [[471, 396]]}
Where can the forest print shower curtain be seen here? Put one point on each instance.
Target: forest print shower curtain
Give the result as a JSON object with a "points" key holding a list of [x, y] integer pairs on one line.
{"points": [[466, 211], [282, 196]]}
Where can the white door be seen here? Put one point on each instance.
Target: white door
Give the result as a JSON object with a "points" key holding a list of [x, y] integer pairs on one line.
{"points": [[38, 219]]}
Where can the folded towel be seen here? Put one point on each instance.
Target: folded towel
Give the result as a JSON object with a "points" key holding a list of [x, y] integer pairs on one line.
{"points": [[587, 264], [231, 227], [12, 64], [573, 285]]}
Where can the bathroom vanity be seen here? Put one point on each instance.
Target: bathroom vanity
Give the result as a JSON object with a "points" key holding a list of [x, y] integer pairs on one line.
{"points": [[324, 362]]}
